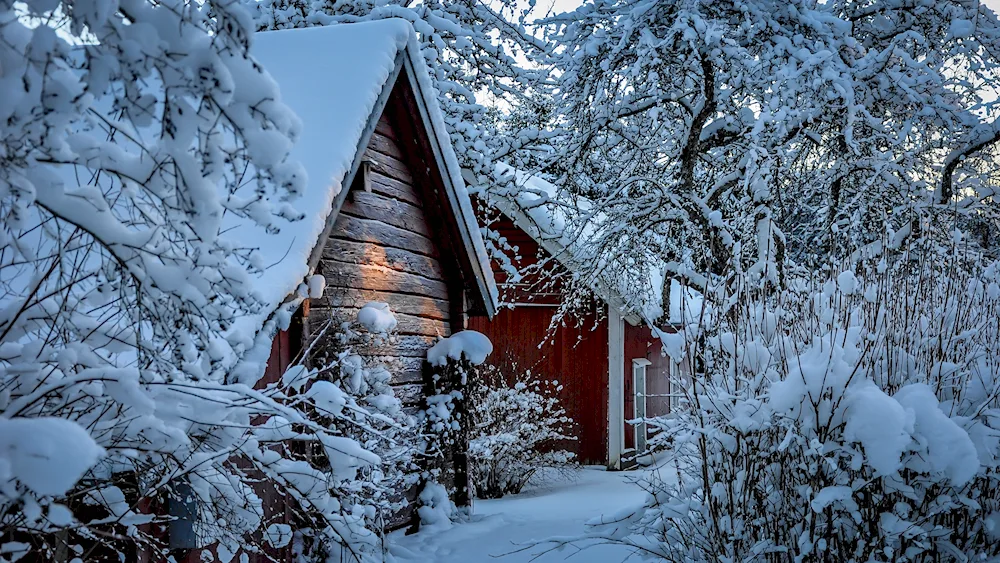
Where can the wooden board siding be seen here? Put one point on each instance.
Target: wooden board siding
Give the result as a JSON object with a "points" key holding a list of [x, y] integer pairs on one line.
{"points": [[284, 348], [396, 240], [575, 356]]}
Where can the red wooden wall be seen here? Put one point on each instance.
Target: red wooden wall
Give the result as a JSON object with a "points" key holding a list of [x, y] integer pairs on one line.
{"points": [[582, 369], [576, 356]]}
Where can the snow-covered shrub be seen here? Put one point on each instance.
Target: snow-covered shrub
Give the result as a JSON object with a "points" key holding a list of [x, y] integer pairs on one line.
{"points": [[851, 421], [436, 508], [518, 427], [366, 452]]}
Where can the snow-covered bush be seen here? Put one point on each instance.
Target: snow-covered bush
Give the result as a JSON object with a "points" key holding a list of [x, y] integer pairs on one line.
{"points": [[851, 421], [367, 450], [518, 428], [436, 508]]}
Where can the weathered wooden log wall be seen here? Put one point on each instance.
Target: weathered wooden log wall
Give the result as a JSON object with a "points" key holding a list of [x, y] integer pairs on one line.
{"points": [[383, 248]]}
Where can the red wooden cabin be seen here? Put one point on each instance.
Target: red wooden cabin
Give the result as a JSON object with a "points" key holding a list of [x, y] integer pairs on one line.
{"points": [[610, 364]]}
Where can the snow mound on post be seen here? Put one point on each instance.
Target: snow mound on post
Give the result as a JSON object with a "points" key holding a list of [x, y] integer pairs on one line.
{"points": [[47, 455], [475, 346], [377, 317], [437, 508], [316, 285]]}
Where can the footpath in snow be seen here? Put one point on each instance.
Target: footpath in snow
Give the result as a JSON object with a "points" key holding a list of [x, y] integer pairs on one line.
{"points": [[499, 528]]}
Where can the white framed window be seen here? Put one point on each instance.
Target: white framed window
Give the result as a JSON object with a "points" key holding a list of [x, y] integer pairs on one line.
{"points": [[639, 366], [676, 387]]}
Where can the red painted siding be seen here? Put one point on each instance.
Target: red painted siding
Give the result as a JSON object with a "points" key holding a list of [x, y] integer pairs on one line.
{"points": [[575, 356], [280, 359], [539, 282]]}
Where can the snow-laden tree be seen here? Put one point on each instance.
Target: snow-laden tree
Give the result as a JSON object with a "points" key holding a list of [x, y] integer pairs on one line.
{"points": [[852, 419], [133, 135], [730, 136]]}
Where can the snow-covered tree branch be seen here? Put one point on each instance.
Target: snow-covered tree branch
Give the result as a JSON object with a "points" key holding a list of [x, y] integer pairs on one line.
{"points": [[730, 137]]}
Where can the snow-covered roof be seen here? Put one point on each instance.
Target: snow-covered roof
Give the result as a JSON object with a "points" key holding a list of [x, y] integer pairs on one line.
{"points": [[537, 210], [337, 79]]}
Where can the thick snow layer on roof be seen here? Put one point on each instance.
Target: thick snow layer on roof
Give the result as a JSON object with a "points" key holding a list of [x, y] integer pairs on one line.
{"points": [[332, 78]]}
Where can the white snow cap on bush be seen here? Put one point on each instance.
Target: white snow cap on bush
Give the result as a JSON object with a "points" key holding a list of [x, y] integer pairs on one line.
{"points": [[47, 455], [941, 443], [475, 346], [847, 282], [880, 424], [377, 317]]}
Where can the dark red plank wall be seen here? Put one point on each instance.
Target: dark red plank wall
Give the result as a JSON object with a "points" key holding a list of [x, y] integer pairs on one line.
{"points": [[577, 357]]}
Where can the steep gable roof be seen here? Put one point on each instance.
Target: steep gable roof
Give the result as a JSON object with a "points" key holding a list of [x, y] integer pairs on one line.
{"points": [[338, 80]]}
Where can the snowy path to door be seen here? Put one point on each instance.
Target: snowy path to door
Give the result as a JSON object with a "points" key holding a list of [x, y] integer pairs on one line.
{"points": [[499, 527]]}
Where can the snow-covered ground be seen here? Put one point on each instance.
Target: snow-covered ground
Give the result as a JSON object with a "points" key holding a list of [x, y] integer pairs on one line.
{"points": [[499, 528]]}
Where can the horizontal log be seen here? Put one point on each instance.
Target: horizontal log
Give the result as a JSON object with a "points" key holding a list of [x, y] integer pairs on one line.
{"points": [[403, 370], [366, 230], [379, 278], [415, 305], [413, 345], [391, 187], [407, 325], [387, 210], [394, 363], [384, 127], [409, 394], [391, 167], [410, 376], [385, 144], [369, 254]]}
